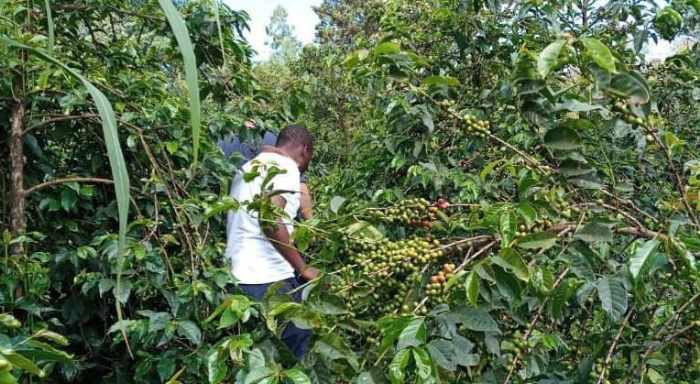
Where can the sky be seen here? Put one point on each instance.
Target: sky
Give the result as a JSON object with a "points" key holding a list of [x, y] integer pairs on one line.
{"points": [[301, 17]]}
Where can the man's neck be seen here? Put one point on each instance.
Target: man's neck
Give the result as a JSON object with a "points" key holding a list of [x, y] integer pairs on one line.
{"points": [[277, 150]]}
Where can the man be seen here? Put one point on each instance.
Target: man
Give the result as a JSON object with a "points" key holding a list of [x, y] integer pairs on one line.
{"points": [[261, 253], [248, 150]]}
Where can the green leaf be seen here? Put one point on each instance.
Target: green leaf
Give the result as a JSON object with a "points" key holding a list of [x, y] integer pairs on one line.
{"points": [[397, 367], [639, 262], [634, 88], [351, 60], [114, 152], [9, 321], [413, 335], [508, 225], [563, 138], [366, 377], [560, 297], [475, 319], [172, 146], [51, 336], [443, 352], [587, 181], [448, 355], [574, 168], [284, 307], [549, 56], [7, 378], [391, 327], [179, 28], [328, 304], [260, 375], [424, 366], [599, 52], [22, 362], [190, 330], [297, 376], [387, 47], [613, 297], [45, 352], [333, 347], [49, 20], [165, 369], [510, 259], [527, 212], [489, 168], [542, 240], [123, 291], [471, 284], [594, 232], [445, 80], [427, 119], [336, 202]]}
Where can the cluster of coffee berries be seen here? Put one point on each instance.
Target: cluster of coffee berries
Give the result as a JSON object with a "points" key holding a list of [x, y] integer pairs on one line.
{"points": [[475, 127], [557, 204], [627, 115], [447, 103], [379, 274], [517, 349], [540, 225], [435, 289], [417, 212], [597, 371]]}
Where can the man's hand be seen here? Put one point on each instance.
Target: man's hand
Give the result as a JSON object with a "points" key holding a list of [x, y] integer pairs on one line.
{"points": [[310, 273]]}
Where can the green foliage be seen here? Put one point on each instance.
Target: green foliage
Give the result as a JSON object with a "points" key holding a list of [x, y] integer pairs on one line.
{"points": [[503, 194]]}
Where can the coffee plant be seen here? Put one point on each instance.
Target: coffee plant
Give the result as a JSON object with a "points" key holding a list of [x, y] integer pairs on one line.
{"points": [[504, 192]]}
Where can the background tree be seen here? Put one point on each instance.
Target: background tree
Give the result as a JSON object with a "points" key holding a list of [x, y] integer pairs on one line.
{"points": [[284, 44]]}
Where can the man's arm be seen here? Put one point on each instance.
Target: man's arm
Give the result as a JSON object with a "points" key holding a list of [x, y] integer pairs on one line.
{"points": [[305, 207], [279, 237]]}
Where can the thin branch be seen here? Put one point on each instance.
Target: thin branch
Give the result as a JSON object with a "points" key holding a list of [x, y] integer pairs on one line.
{"points": [[59, 119], [668, 322], [611, 350], [475, 255], [679, 182], [37, 187], [534, 321], [616, 209]]}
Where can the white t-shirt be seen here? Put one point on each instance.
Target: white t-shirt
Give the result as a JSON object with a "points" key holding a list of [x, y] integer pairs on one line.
{"points": [[253, 258]]}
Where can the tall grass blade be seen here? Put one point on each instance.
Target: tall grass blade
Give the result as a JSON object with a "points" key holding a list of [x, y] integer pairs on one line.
{"points": [[218, 27], [114, 152], [49, 17], [183, 41]]}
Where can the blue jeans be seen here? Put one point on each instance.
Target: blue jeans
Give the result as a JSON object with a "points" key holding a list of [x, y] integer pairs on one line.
{"points": [[296, 339]]}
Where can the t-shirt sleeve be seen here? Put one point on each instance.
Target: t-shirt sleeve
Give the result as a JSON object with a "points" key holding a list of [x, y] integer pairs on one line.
{"points": [[288, 182]]}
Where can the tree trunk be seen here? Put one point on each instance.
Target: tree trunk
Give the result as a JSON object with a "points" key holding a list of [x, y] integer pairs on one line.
{"points": [[17, 220]]}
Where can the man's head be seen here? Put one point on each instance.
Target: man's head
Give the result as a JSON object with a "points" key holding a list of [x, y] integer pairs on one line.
{"points": [[299, 143]]}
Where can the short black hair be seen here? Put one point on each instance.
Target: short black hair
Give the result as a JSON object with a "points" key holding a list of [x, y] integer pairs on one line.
{"points": [[295, 135]]}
